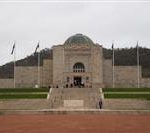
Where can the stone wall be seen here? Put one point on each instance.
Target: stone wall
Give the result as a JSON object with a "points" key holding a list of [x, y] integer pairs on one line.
{"points": [[28, 76], [145, 82], [107, 73], [126, 76], [47, 73], [6, 83]]}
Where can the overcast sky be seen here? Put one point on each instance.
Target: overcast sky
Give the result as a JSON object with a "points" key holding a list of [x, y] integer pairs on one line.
{"points": [[52, 23]]}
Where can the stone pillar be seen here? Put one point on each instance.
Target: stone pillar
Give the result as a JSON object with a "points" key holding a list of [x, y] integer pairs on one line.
{"points": [[58, 65], [97, 66]]}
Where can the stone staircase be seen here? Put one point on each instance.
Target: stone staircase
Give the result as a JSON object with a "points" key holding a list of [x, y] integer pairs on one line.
{"points": [[74, 98], [24, 104], [126, 104]]}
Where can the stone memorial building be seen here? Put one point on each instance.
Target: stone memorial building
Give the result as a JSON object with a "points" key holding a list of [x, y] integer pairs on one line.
{"points": [[78, 62]]}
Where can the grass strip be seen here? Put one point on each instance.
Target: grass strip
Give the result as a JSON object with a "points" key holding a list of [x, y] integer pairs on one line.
{"points": [[18, 90], [126, 89], [18, 93], [124, 92], [23, 96], [135, 96]]}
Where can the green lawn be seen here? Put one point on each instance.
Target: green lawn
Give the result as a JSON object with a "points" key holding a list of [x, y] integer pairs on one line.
{"points": [[20, 90], [126, 89], [23, 96], [23, 93], [136, 93], [135, 96]]}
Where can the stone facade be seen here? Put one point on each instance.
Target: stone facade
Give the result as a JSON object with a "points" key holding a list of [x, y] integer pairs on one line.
{"points": [[58, 65], [107, 73], [6, 83], [126, 76], [28, 76], [64, 59], [145, 82], [77, 63]]}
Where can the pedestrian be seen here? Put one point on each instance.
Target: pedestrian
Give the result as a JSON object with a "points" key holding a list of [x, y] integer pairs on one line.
{"points": [[100, 103], [49, 87]]}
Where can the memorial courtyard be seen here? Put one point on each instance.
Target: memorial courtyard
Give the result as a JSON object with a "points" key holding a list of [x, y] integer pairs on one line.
{"points": [[105, 123]]}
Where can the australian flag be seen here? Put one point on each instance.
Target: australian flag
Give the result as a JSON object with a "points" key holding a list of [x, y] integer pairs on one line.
{"points": [[38, 45], [13, 49]]}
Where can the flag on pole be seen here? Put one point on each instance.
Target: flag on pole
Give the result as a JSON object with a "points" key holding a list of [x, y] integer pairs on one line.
{"points": [[14, 53], [137, 45], [138, 65], [113, 65], [112, 46], [38, 45], [13, 49], [38, 64]]}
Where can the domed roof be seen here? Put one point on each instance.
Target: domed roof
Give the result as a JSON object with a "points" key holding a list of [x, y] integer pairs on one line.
{"points": [[78, 39]]}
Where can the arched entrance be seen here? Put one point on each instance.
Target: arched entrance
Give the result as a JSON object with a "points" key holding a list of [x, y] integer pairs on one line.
{"points": [[78, 68], [77, 81]]}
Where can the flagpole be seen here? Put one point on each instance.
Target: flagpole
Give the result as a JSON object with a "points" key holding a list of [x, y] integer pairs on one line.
{"points": [[39, 66], [14, 64], [113, 66], [138, 66]]}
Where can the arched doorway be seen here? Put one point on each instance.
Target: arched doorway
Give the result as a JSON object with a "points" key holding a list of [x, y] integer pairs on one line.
{"points": [[78, 68]]}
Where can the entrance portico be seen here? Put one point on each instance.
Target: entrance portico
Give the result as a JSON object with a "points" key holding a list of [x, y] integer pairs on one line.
{"points": [[78, 81], [74, 79]]}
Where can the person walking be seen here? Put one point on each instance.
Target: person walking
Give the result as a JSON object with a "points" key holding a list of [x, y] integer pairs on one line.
{"points": [[100, 103]]}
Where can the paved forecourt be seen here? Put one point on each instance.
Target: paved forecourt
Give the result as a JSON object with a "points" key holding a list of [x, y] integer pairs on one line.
{"points": [[79, 123]]}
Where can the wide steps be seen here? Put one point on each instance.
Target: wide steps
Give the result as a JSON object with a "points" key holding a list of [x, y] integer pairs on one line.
{"points": [[90, 96]]}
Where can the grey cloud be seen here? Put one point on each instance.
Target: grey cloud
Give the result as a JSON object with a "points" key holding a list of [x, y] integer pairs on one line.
{"points": [[53, 23]]}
